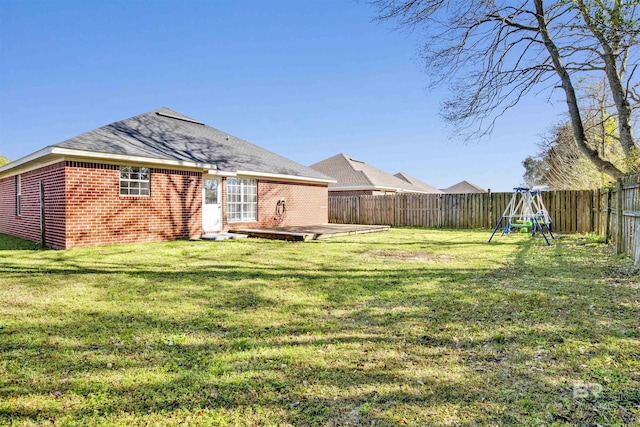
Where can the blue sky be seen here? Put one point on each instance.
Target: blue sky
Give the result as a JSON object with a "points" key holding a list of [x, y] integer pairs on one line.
{"points": [[305, 79]]}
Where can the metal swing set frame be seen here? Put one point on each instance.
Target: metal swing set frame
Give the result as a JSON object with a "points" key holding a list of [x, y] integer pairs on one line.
{"points": [[525, 211]]}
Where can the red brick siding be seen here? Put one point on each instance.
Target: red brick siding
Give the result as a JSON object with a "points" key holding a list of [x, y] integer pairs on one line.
{"points": [[83, 206], [27, 225], [306, 204], [97, 214]]}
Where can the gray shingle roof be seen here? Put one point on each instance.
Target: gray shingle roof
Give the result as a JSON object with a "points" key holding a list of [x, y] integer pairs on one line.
{"points": [[350, 172], [166, 134], [463, 187], [415, 181]]}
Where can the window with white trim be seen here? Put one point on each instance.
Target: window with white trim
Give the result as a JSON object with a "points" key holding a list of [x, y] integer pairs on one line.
{"points": [[242, 199], [134, 181], [18, 195]]}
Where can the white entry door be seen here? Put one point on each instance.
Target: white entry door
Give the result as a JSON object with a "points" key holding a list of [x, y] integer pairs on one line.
{"points": [[211, 204]]}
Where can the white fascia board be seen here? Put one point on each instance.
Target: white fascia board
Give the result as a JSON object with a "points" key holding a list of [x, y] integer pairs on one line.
{"points": [[64, 153], [375, 188], [68, 153], [363, 188], [285, 177], [402, 190], [129, 158], [220, 173], [31, 157], [37, 164]]}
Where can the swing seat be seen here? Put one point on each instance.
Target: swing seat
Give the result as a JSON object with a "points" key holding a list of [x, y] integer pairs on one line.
{"points": [[521, 224]]}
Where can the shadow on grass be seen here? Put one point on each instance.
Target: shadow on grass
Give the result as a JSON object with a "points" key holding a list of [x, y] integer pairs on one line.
{"points": [[185, 376], [356, 346], [12, 243]]}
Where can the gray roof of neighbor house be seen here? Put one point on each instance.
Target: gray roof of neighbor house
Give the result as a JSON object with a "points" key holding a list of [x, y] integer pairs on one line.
{"points": [[353, 174], [415, 181], [463, 187], [164, 134]]}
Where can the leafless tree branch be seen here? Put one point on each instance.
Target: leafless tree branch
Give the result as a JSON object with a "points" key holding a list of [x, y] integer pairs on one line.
{"points": [[501, 51]]}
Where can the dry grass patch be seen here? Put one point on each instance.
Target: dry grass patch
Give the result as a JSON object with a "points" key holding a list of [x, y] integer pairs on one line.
{"points": [[409, 256]]}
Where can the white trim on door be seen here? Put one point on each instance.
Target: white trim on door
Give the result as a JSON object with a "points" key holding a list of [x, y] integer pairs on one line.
{"points": [[211, 204]]}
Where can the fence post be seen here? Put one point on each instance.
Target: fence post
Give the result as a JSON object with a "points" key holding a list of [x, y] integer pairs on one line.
{"points": [[489, 201], [619, 225], [607, 218], [595, 212]]}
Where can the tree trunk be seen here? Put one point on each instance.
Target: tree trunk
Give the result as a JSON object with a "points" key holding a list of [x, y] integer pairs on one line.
{"points": [[572, 100], [610, 52], [622, 104]]}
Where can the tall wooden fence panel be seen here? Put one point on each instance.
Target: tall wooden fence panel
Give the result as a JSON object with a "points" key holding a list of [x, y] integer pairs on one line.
{"points": [[604, 222], [574, 211], [344, 210], [571, 211], [628, 217]]}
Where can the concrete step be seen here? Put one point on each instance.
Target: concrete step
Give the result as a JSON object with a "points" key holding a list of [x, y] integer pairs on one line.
{"points": [[224, 236]]}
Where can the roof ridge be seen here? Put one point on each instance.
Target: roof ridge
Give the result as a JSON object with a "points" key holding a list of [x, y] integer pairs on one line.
{"points": [[360, 172], [184, 119], [402, 176]]}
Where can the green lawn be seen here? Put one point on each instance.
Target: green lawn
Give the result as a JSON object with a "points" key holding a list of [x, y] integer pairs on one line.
{"points": [[410, 327]]}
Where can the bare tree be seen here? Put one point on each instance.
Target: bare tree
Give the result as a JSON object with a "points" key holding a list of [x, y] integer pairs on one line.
{"points": [[491, 53], [560, 164]]}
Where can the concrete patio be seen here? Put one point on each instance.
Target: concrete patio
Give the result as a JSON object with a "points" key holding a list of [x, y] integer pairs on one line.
{"points": [[310, 232]]}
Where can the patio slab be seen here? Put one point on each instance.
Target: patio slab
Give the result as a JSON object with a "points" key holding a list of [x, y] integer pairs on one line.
{"points": [[306, 233]]}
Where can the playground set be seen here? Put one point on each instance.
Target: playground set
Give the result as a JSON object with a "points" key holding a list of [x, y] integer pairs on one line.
{"points": [[526, 211]]}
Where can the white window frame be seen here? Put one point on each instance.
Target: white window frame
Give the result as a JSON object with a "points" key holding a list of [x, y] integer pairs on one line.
{"points": [[135, 181], [242, 199], [18, 195]]}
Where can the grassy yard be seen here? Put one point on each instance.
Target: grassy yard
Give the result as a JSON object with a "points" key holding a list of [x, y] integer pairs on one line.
{"points": [[410, 327]]}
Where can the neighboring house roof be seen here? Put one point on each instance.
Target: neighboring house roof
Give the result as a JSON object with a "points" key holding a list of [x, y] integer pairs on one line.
{"points": [[356, 175], [167, 137], [464, 187], [415, 181]]}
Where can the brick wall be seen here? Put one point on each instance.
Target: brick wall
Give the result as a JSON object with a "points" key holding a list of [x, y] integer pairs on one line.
{"points": [[97, 214], [94, 213], [27, 225], [306, 204]]}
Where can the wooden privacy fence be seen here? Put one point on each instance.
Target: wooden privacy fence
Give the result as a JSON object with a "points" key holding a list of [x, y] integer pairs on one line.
{"points": [[572, 211], [620, 209]]}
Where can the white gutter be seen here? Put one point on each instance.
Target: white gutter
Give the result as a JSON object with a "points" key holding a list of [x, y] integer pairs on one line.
{"points": [[33, 156], [363, 187], [59, 151], [376, 188], [210, 168], [285, 177], [220, 173]]}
